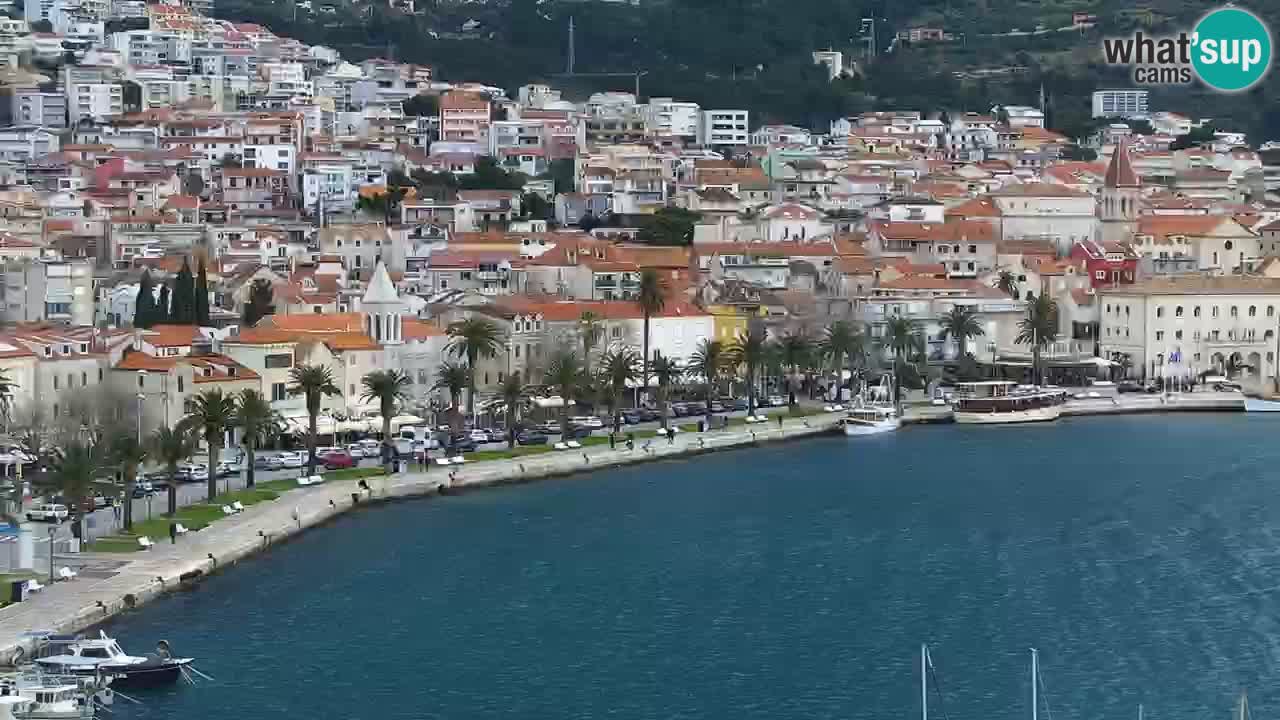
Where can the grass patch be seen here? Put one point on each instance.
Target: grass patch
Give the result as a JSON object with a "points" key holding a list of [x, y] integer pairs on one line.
{"points": [[525, 451], [352, 473], [114, 544], [682, 427]]}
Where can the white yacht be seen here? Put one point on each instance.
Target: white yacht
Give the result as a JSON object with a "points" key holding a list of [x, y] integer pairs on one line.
{"points": [[45, 698], [874, 417], [996, 402]]}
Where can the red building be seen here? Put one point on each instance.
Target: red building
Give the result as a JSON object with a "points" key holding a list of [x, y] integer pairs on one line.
{"points": [[1108, 263]]}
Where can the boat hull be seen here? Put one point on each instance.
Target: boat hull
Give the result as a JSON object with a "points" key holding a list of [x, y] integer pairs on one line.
{"points": [[143, 675], [1008, 417], [1252, 404], [875, 428]]}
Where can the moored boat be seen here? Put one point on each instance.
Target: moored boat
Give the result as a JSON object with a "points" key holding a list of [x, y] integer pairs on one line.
{"points": [[43, 697], [1254, 404], [996, 402], [870, 420], [103, 657]]}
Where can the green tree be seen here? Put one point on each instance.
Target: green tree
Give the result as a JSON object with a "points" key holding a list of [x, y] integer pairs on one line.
{"points": [[212, 414], [75, 468], [618, 367], [1007, 283], [161, 310], [473, 338], [202, 296], [652, 298], [960, 323], [1195, 138], [171, 445], [708, 362], [390, 388], [564, 374], [314, 383], [1077, 152], [144, 313], [668, 226], [262, 302], [562, 173], [797, 349], [747, 351], [901, 337], [512, 392], [183, 302], [421, 106], [668, 373], [453, 378], [488, 175], [258, 424], [844, 346], [1038, 328], [129, 453], [533, 205]]}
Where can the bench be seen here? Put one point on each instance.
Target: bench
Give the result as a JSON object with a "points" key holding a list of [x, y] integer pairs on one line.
{"points": [[228, 510], [574, 444], [443, 461], [237, 506], [458, 460], [66, 573], [33, 585], [182, 529], [145, 543]]}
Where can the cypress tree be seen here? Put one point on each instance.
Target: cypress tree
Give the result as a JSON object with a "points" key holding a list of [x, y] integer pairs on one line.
{"points": [[183, 302], [202, 296], [162, 306], [144, 303]]}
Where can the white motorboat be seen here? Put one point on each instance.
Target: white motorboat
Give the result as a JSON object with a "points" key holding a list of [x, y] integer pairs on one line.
{"points": [[998, 402], [1253, 404], [870, 420], [37, 697], [102, 656]]}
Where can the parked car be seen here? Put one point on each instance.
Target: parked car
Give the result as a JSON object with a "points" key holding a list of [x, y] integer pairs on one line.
{"points": [[777, 401], [551, 427], [462, 444], [337, 459], [292, 460], [53, 513], [649, 414], [587, 421], [528, 437], [680, 409], [717, 406], [632, 417], [480, 436], [497, 434], [1129, 386], [227, 469], [574, 432], [739, 404], [143, 488]]}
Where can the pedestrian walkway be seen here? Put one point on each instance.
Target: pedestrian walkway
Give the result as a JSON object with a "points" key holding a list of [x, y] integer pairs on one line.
{"points": [[70, 606]]}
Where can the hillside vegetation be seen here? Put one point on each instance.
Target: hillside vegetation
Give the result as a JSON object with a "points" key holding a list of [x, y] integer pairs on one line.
{"points": [[755, 54]]}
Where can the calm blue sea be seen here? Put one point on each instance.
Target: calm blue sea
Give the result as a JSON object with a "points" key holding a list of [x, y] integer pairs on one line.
{"points": [[1140, 555]]}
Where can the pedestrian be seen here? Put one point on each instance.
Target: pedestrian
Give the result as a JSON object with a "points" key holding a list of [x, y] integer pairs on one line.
{"points": [[613, 440], [173, 533], [671, 436], [779, 421]]}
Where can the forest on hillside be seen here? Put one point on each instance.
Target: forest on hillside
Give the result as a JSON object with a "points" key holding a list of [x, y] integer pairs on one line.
{"points": [[755, 54]]}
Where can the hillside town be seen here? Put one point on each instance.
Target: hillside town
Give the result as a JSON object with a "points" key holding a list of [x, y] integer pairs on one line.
{"points": [[195, 203]]}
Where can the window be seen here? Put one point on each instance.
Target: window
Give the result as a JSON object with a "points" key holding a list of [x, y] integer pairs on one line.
{"points": [[55, 383], [1159, 335], [353, 390], [1100, 274], [1195, 312], [1177, 335], [1213, 312], [1160, 312], [1235, 311], [1177, 312], [1253, 311], [99, 374], [84, 379], [278, 361], [278, 391], [1271, 310], [973, 249], [180, 384], [1196, 357]]}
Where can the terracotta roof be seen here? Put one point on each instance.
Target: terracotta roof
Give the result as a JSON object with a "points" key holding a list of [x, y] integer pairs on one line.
{"points": [[349, 341], [929, 282], [262, 336], [823, 248], [412, 329], [555, 310], [1024, 246], [792, 211], [1038, 189], [953, 231], [1163, 226], [171, 335], [1083, 298], [977, 207], [252, 172], [316, 322]]}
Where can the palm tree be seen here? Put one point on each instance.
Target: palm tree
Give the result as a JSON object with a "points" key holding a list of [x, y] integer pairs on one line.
{"points": [[667, 371], [513, 391], [590, 329], [129, 453], [619, 367], [1038, 328], [473, 338], [842, 342], [960, 323], [796, 349], [707, 361], [171, 446], [75, 468], [313, 382], [748, 350], [388, 387], [564, 373], [258, 424], [212, 414], [1007, 283], [652, 298], [901, 336], [452, 377]]}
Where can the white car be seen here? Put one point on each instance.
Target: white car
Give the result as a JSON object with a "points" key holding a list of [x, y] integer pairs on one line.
{"points": [[369, 449], [587, 421], [48, 513], [776, 400], [293, 460]]}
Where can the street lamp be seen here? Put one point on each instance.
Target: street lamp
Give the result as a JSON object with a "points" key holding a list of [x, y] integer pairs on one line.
{"points": [[52, 531]]}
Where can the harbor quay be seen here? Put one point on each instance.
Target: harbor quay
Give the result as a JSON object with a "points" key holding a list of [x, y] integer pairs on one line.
{"points": [[125, 581]]}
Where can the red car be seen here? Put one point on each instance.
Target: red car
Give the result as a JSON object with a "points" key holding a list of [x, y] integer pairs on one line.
{"points": [[338, 459]]}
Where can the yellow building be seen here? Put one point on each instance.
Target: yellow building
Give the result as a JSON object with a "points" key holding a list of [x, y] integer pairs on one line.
{"points": [[728, 322]]}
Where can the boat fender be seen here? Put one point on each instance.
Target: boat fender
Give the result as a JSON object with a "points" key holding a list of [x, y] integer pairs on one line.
{"points": [[162, 649]]}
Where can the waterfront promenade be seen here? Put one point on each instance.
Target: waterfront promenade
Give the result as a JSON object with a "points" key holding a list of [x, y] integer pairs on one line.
{"points": [[111, 583]]}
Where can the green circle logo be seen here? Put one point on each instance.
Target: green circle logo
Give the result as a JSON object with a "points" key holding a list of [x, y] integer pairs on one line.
{"points": [[1231, 49]]}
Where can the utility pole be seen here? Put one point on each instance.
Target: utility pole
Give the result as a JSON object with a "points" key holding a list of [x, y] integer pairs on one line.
{"points": [[570, 59]]}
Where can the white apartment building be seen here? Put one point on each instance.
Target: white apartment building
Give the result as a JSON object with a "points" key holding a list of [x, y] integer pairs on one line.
{"points": [[94, 100], [665, 116], [1186, 324], [32, 107], [723, 128], [832, 59], [21, 143], [1120, 103], [464, 117], [53, 291]]}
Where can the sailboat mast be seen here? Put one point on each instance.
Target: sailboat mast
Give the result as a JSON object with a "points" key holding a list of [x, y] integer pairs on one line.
{"points": [[924, 682], [1035, 681]]}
